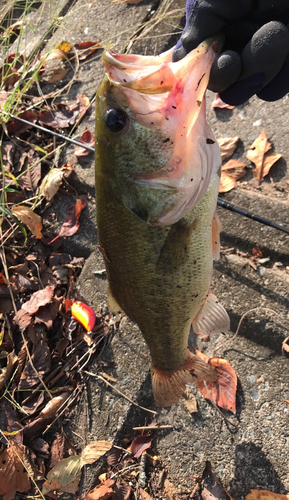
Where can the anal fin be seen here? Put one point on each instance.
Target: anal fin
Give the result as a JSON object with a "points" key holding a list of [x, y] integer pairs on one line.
{"points": [[216, 229], [212, 317], [169, 385]]}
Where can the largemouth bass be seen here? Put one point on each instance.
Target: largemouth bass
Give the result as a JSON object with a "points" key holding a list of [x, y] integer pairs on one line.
{"points": [[157, 179]]}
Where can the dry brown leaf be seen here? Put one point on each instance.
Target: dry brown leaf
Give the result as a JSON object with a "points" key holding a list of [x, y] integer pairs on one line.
{"points": [[29, 219], [227, 146], [189, 401], [6, 372], [102, 491], [144, 495], [65, 472], [13, 476], [93, 451], [212, 488], [227, 183], [259, 155], [265, 495], [269, 160], [53, 405], [235, 169], [53, 179], [218, 103], [223, 391], [171, 490]]}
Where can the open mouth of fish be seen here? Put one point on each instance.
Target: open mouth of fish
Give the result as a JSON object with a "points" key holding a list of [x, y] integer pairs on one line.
{"points": [[169, 97]]}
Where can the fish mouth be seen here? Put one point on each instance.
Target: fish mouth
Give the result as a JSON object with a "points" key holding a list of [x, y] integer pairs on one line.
{"points": [[170, 96]]}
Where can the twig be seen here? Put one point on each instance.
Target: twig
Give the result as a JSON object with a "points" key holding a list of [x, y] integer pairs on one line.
{"points": [[248, 312], [135, 466], [119, 392]]}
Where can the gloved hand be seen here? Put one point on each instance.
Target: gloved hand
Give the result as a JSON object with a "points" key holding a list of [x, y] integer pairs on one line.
{"points": [[255, 56]]}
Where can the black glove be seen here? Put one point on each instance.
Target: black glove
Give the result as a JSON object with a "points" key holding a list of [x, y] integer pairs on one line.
{"points": [[255, 56]]}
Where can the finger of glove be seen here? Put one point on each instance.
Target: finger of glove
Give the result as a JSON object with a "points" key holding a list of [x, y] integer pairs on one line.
{"points": [[225, 71], [278, 87], [266, 10], [205, 18], [266, 51], [242, 90]]}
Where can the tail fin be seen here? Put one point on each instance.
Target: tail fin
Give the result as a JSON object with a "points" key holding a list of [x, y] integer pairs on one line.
{"points": [[169, 385]]}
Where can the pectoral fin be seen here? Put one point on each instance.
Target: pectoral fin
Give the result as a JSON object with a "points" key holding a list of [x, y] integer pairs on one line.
{"points": [[212, 317]]}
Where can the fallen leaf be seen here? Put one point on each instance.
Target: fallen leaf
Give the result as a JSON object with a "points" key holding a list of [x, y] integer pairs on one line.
{"points": [[144, 495], [52, 180], [9, 423], [29, 219], [87, 139], [6, 372], [16, 127], [41, 359], [260, 154], [235, 169], [13, 476], [66, 471], [30, 177], [189, 401], [113, 456], [102, 491], [85, 49], [218, 103], [38, 299], [140, 444], [265, 495], [63, 116], [227, 146], [212, 488], [285, 347], [93, 451], [53, 405], [227, 183], [223, 391], [71, 224]]}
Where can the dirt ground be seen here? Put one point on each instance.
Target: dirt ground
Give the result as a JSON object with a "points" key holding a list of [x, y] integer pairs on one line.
{"points": [[254, 454]]}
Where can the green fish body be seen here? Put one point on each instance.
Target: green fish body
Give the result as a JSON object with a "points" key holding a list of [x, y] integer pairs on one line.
{"points": [[157, 180]]}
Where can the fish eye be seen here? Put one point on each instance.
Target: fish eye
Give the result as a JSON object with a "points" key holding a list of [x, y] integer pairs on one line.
{"points": [[115, 120]]}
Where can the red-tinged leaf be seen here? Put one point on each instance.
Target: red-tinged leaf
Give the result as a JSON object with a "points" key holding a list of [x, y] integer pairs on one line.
{"points": [[87, 139], [257, 252], [71, 224], [218, 103], [140, 444], [113, 456], [85, 49], [13, 475], [223, 391], [102, 491], [38, 299], [16, 128]]}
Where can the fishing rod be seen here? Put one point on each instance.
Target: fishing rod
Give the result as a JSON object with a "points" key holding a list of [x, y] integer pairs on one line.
{"points": [[221, 203]]}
